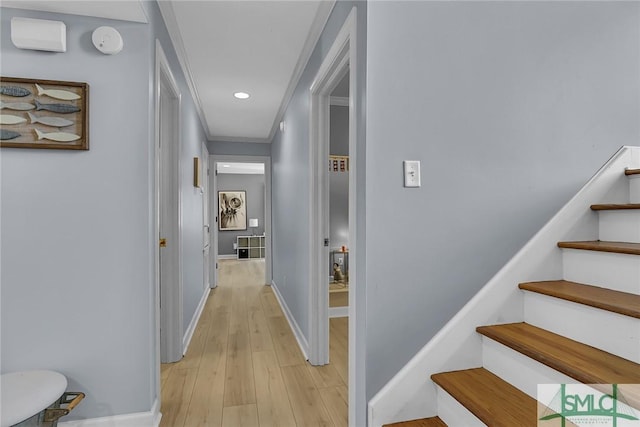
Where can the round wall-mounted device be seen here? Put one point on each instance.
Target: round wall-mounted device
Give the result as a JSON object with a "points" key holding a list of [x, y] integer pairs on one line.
{"points": [[107, 40]]}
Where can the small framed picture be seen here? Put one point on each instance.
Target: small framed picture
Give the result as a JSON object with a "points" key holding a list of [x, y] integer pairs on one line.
{"points": [[196, 172], [338, 163]]}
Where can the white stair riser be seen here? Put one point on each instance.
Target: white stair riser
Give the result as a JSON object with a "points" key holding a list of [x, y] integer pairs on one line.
{"points": [[519, 370], [611, 332], [620, 272], [620, 226], [634, 188], [453, 413]]}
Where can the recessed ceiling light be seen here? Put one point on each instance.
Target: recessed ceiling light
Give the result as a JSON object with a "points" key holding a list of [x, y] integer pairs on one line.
{"points": [[226, 166], [241, 95]]}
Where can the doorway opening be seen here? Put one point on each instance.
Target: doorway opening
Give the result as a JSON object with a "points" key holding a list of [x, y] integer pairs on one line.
{"points": [[339, 63], [241, 203], [168, 215], [339, 202]]}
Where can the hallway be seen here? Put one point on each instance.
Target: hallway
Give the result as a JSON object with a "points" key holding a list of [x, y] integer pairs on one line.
{"points": [[244, 367]]}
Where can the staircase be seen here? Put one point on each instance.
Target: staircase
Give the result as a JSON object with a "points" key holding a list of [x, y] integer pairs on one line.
{"points": [[582, 328]]}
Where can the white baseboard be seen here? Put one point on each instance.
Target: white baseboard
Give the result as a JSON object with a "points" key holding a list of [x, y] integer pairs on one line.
{"points": [[157, 415], [297, 332], [232, 256], [137, 419], [338, 312], [194, 321]]}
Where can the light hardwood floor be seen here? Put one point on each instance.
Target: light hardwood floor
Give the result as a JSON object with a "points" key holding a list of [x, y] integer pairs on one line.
{"points": [[244, 367]]}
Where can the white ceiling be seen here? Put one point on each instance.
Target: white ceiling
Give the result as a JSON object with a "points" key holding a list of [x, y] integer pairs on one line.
{"points": [[259, 47], [225, 46]]}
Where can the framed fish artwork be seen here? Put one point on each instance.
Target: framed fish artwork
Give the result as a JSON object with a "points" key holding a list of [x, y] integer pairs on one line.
{"points": [[44, 114]]}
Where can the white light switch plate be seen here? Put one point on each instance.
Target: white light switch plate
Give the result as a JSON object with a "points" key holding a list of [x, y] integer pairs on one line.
{"points": [[411, 173]]}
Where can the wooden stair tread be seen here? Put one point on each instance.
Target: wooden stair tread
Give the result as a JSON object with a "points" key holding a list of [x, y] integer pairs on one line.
{"points": [[632, 172], [615, 206], [584, 363], [606, 299], [598, 245], [494, 401], [423, 422]]}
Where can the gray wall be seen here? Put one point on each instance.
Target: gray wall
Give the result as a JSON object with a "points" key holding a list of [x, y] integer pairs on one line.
{"points": [[254, 185], [77, 268], [339, 181], [511, 107], [290, 183], [339, 132], [224, 148]]}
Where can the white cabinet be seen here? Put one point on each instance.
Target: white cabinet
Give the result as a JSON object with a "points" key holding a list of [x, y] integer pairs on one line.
{"points": [[250, 247]]}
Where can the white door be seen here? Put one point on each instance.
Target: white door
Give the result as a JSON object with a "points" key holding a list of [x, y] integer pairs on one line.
{"points": [[206, 232], [168, 140], [213, 249]]}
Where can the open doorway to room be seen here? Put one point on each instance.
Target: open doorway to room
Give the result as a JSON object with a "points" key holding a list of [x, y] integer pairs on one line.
{"points": [[339, 63], [241, 202], [339, 228]]}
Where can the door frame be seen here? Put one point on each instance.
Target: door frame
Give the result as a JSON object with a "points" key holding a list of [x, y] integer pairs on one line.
{"points": [[169, 315], [341, 58], [266, 160]]}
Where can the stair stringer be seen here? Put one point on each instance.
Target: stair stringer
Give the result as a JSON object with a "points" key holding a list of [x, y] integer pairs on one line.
{"points": [[410, 394]]}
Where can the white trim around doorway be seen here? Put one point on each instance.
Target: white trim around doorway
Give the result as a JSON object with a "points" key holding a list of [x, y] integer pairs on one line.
{"points": [[213, 161], [170, 314], [172, 307], [340, 60]]}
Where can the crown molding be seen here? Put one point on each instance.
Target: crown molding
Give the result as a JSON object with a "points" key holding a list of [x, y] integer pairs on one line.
{"points": [[131, 11], [166, 10], [322, 16]]}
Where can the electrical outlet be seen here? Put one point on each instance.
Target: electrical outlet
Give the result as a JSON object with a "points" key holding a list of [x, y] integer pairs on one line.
{"points": [[411, 173]]}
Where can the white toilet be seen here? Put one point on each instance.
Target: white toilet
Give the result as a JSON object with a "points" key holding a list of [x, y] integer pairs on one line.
{"points": [[34, 398]]}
